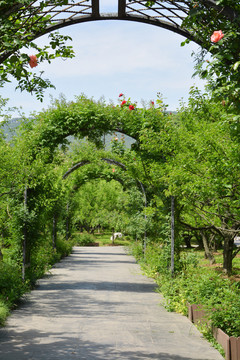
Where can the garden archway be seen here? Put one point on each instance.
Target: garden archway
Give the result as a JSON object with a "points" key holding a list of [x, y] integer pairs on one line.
{"points": [[34, 19], [123, 167]]}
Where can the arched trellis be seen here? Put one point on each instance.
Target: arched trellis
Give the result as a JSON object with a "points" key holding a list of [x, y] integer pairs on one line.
{"points": [[38, 18], [123, 167]]}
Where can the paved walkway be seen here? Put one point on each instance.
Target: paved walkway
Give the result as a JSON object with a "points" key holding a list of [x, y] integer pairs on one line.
{"points": [[96, 305]]}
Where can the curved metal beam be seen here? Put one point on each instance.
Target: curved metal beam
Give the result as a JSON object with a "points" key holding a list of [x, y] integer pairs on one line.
{"points": [[159, 23], [55, 14], [75, 167]]}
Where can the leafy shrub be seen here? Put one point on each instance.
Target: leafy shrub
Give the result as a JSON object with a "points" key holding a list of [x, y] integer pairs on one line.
{"points": [[64, 247], [136, 249], [44, 256], [4, 311], [226, 308], [193, 284], [11, 284], [83, 239]]}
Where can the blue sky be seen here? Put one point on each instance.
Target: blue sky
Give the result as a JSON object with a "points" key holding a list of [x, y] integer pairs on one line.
{"points": [[136, 59]]}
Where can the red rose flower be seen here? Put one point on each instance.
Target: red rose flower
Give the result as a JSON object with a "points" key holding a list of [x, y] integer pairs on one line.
{"points": [[120, 95], [217, 36], [33, 61], [131, 107], [123, 102]]}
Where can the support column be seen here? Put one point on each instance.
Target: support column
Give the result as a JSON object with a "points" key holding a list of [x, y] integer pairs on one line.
{"points": [[54, 231], [24, 246], [67, 223], [145, 217], [172, 234], [121, 8], [95, 8]]}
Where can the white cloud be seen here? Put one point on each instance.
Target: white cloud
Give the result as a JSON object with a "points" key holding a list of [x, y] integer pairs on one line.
{"points": [[105, 48]]}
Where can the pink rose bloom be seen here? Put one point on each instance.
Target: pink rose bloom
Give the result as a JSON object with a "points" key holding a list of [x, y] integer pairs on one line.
{"points": [[123, 102], [131, 107], [33, 61], [217, 36], [113, 170]]}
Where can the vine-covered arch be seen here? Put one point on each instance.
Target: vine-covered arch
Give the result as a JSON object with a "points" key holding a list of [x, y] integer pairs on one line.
{"points": [[81, 163], [111, 162], [30, 20]]}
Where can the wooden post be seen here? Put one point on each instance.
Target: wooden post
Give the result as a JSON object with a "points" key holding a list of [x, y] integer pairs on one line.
{"points": [[172, 234]]}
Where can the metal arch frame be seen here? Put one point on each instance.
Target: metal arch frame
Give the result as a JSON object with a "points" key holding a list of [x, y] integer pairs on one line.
{"points": [[51, 16], [36, 18], [127, 12]]}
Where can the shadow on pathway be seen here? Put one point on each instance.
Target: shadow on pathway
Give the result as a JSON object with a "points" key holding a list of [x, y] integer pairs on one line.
{"points": [[96, 305]]}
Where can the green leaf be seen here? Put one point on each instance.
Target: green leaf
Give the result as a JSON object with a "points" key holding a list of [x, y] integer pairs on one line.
{"points": [[236, 65]]}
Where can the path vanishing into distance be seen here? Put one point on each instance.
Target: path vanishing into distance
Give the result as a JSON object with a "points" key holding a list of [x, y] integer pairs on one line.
{"points": [[96, 304]]}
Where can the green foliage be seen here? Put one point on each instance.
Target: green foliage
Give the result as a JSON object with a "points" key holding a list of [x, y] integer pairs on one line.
{"points": [[193, 284], [83, 239], [222, 68], [11, 284], [4, 312], [19, 27], [192, 155]]}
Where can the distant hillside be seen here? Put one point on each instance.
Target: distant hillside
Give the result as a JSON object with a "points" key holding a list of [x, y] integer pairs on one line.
{"points": [[9, 128]]}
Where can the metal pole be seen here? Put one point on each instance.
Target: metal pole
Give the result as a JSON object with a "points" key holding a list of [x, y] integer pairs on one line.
{"points": [[24, 237], [95, 8], [54, 231], [145, 218], [67, 222], [172, 234], [121, 8]]}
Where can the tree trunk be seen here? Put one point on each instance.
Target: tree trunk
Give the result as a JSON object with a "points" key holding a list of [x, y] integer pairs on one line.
{"points": [[199, 241], [208, 253], [187, 239], [228, 253], [112, 236]]}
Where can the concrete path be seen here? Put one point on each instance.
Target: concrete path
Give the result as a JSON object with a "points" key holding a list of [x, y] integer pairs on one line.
{"points": [[96, 305]]}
